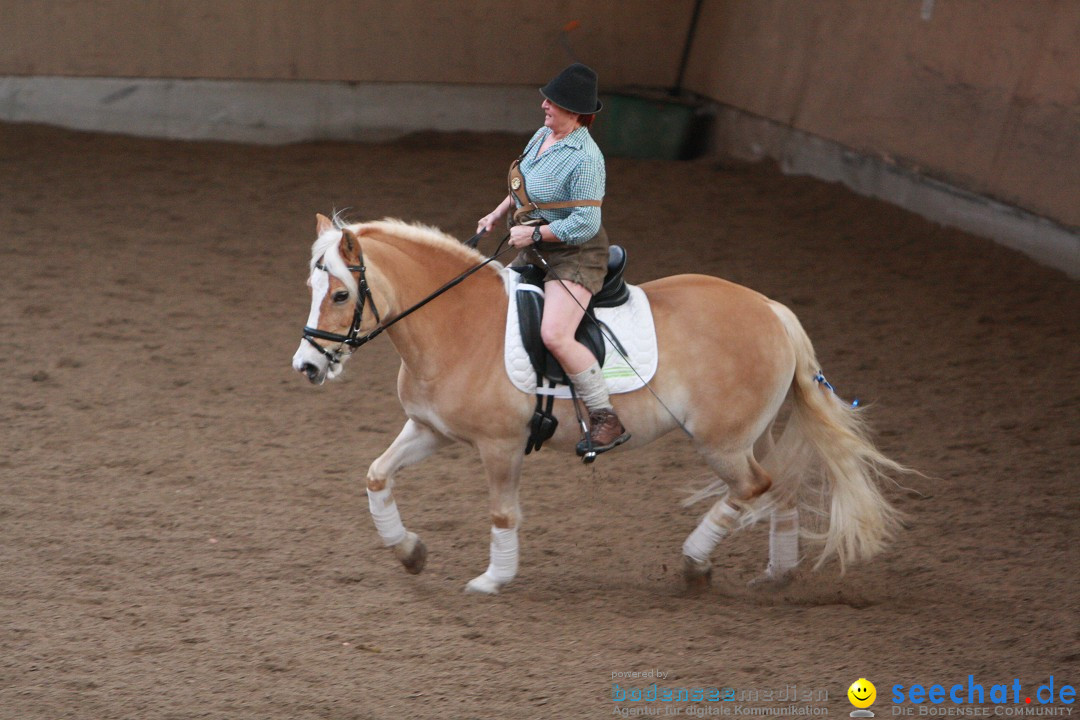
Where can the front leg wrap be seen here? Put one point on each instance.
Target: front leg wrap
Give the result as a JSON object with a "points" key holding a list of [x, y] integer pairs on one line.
{"points": [[385, 514], [504, 555]]}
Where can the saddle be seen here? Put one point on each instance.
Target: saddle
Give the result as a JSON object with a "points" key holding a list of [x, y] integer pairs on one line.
{"points": [[530, 306]]}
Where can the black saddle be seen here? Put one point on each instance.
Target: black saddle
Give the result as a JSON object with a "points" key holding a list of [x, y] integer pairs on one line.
{"points": [[530, 305]]}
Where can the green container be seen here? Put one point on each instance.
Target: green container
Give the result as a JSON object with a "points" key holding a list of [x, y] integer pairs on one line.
{"points": [[646, 125]]}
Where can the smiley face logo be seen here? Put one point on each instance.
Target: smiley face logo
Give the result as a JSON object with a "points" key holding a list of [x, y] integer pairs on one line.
{"points": [[862, 693]]}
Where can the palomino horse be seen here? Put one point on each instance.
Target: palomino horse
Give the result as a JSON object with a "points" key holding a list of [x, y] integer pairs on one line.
{"points": [[728, 359]]}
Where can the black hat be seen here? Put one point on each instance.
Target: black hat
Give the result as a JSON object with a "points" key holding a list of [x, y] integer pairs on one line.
{"points": [[574, 89]]}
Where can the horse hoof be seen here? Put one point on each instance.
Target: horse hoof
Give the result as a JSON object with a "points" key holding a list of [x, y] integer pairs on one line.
{"points": [[483, 585], [412, 552], [696, 574], [771, 581]]}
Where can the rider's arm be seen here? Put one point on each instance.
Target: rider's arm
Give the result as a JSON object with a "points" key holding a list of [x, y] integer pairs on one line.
{"points": [[586, 182], [489, 220]]}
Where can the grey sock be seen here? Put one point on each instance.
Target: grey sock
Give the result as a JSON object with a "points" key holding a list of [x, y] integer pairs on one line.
{"points": [[592, 388]]}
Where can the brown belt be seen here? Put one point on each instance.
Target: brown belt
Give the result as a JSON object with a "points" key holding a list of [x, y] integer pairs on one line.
{"points": [[516, 182]]}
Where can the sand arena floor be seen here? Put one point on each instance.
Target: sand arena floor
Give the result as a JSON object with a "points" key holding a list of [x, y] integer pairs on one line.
{"points": [[183, 526]]}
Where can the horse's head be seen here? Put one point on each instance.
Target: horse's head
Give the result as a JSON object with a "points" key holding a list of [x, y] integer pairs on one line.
{"points": [[341, 303]]}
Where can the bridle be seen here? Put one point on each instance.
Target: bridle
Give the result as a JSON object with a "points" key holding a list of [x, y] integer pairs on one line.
{"points": [[353, 339]]}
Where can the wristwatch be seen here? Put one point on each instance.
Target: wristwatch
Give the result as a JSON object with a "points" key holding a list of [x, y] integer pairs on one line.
{"points": [[536, 236]]}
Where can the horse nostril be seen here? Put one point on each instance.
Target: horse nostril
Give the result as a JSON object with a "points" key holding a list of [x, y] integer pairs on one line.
{"points": [[310, 370]]}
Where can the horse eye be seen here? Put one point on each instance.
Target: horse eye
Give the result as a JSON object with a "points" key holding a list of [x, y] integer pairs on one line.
{"points": [[341, 296]]}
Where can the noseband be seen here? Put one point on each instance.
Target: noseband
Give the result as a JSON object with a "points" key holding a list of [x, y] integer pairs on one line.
{"points": [[352, 339], [364, 299]]}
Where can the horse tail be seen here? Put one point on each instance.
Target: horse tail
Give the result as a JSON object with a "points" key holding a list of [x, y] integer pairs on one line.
{"points": [[824, 428]]}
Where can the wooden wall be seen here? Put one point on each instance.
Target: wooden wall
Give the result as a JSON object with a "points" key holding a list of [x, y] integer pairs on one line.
{"points": [[429, 41], [984, 94], [980, 93]]}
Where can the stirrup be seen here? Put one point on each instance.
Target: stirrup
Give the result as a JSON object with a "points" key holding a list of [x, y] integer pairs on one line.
{"points": [[584, 446], [588, 452]]}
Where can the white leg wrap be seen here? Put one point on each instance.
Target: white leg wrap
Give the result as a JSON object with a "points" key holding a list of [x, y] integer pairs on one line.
{"points": [[708, 534], [783, 541], [504, 555], [385, 514]]}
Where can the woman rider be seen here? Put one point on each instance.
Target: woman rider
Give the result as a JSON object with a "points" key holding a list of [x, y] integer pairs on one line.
{"points": [[556, 188]]}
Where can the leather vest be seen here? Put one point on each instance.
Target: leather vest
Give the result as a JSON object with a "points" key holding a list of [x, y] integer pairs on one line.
{"points": [[515, 182]]}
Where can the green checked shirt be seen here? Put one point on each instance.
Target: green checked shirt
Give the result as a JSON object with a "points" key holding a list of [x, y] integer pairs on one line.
{"points": [[571, 169]]}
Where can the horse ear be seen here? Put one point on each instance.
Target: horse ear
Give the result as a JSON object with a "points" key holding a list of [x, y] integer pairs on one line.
{"points": [[349, 247], [322, 224]]}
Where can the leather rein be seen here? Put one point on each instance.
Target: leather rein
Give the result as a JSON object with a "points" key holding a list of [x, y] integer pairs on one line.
{"points": [[353, 339]]}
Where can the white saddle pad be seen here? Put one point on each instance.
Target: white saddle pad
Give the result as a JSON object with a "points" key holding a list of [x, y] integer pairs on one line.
{"points": [[630, 323]]}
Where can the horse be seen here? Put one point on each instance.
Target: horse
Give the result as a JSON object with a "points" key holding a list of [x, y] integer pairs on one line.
{"points": [[729, 357]]}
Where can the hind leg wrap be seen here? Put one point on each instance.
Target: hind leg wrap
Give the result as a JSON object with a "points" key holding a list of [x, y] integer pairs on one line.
{"points": [[783, 541], [714, 527]]}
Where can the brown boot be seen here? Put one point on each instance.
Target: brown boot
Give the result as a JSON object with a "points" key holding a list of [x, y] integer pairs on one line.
{"points": [[605, 432]]}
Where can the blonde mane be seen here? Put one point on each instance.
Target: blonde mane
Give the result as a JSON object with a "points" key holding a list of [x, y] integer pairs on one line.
{"points": [[325, 246], [420, 234]]}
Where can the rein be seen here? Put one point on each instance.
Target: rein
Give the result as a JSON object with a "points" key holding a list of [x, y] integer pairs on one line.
{"points": [[364, 298]]}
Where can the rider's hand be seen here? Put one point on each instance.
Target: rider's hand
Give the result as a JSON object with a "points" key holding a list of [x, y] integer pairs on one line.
{"points": [[521, 236], [487, 222]]}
